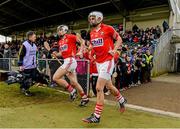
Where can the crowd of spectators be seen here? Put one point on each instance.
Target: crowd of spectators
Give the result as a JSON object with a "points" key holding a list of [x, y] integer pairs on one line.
{"points": [[132, 67]]}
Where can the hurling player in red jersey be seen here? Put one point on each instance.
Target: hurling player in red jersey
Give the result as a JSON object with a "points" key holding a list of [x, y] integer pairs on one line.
{"points": [[101, 38], [67, 49]]}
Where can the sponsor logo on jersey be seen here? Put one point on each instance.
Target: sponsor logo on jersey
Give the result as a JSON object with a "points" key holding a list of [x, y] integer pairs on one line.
{"points": [[97, 42]]}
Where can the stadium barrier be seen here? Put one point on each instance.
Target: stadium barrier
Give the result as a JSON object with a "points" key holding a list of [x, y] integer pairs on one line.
{"points": [[49, 66], [164, 54]]}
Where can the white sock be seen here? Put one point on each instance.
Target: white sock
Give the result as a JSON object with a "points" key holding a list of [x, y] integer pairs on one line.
{"points": [[121, 100]]}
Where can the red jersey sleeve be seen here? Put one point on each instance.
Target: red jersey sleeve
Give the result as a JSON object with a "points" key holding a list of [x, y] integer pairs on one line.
{"points": [[72, 37], [113, 33]]}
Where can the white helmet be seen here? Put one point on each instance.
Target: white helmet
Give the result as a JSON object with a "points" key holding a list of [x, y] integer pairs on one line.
{"points": [[63, 27], [97, 14]]}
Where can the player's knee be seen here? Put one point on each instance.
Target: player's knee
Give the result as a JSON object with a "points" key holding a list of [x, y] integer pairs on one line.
{"points": [[99, 90], [109, 86]]}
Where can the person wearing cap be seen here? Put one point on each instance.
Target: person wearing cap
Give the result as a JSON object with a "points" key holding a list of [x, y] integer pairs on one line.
{"points": [[101, 38], [67, 49]]}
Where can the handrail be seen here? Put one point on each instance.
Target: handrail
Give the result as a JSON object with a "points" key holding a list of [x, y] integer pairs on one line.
{"points": [[164, 55], [10, 64]]}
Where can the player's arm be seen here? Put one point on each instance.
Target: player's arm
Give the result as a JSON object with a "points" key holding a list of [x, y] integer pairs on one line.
{"points": [[82, 43], [56, 54], [53, 53], [80, 40], [90, 47], [118, 39]]}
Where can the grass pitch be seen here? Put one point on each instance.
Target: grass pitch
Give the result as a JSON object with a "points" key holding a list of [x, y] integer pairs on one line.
{"points": [[52, 109]]}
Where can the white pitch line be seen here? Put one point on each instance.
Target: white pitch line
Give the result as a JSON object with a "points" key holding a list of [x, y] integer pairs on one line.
{"points": [[64, 92], [156, 111], [113, 103]]}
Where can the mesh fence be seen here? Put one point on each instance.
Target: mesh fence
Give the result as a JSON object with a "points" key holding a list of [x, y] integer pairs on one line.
{"points": [[49, 67], [4, 64]]}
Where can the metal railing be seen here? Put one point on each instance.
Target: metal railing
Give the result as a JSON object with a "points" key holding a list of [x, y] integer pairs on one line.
{"points": [[164, 54], [49, 66]]}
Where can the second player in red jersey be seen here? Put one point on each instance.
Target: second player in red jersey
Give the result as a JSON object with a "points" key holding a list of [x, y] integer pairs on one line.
{"points": [[67, 49]]}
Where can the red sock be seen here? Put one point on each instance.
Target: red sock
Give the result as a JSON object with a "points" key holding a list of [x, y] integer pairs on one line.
{"points": [[118, 96], [69, 88], [98, 110], [83, 95]]}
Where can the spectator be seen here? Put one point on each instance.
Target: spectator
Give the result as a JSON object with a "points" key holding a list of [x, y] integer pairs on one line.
{"points": [[7, 51], [158, 31], [136, 39], [135, 28], [165, 26]]}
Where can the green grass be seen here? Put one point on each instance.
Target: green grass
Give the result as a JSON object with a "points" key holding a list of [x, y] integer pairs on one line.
{"points": [[51, 109]]}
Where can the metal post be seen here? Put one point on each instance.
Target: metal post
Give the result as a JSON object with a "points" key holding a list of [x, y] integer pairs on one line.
{"points": [[88, 77], [9, 64], [23, 36], [46, 66]]}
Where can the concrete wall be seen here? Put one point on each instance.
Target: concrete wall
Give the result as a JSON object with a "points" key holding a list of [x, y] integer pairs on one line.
{"points": [[145, 17], [148, 17], [146, 23], [175, 14]]}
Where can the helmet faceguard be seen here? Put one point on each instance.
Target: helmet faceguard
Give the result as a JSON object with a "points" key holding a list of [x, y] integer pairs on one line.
{"points": [[62, 29], [95, 18]]}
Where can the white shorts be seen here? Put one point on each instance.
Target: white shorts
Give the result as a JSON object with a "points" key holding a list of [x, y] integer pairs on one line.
{"points": [[105, 69], [69, 64]]}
